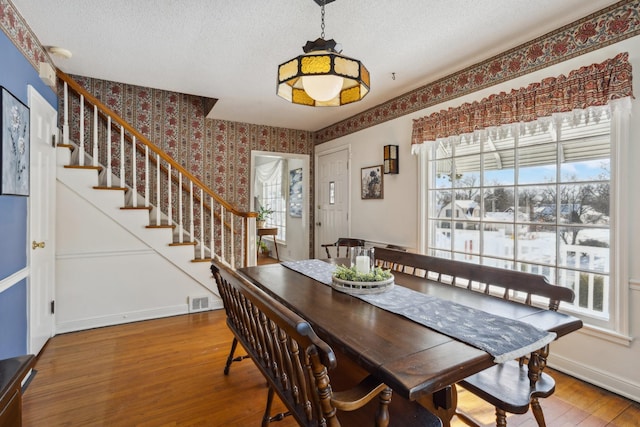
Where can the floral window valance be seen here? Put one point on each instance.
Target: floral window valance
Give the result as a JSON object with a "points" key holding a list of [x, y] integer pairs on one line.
{"points": [[590, 86]]}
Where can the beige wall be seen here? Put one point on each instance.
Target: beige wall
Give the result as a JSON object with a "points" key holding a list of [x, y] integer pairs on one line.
{"points": [[603, 358]]}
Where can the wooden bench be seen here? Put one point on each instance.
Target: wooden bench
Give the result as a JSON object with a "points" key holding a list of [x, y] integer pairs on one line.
{"points": [[295, 362], [513, 386]]}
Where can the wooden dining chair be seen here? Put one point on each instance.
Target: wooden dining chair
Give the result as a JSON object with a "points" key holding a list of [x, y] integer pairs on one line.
{"points": [[342, 242], [296, 365], [513, 386]]}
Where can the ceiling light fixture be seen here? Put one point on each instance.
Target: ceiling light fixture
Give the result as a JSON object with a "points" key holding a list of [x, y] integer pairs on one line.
{"points": [[322, 77], [59, 52]]}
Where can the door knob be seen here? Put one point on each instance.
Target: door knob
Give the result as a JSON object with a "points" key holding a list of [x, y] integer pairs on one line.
{"points": [[35, 245], [319, 224]]}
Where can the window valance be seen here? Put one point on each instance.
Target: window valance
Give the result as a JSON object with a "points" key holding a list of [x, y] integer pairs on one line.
{"points": [[589, 86]]}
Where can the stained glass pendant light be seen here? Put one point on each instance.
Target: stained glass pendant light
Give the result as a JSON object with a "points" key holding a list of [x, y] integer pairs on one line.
{"points": [[322, 77]]}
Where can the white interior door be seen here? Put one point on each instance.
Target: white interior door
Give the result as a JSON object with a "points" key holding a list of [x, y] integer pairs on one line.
{"points": [[332, 198], [41, 221]]}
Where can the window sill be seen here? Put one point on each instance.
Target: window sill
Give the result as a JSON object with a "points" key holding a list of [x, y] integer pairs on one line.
{"points": [[606, 334]]}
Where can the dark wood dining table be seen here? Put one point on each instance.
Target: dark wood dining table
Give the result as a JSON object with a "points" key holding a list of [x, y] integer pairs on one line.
{"points": [[415, 361]]}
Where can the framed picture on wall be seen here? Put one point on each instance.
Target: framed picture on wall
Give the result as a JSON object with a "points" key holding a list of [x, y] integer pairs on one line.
{"points": [[14, 163], [295, 193], [371, 182]]}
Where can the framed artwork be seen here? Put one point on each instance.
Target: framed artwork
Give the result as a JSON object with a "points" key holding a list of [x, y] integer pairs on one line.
{"points": [[371, 182], [295, 193], [15, 146]]}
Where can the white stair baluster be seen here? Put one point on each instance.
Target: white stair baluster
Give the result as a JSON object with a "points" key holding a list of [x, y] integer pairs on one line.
{"points": [[191, 223], [169, 201], [232, 237], [202, 217], [109, 151], [212, 244], [222, 232], [146, 176], [180, 227], [81, 150], [65, 125], [134, 178], [94, 153], [158, 204], [123, 183]]}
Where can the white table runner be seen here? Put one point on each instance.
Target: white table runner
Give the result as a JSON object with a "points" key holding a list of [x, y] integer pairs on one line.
{"points": [[505, 339]]}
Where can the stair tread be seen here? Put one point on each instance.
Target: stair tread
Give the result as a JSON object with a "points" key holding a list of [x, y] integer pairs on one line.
{"points": [[183, 244], [83, 167], [161, 226], [104, 187], [132, 208], [201, 260]]}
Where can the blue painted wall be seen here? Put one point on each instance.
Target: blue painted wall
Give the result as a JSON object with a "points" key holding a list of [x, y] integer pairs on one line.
{"points": [[13, 320], [16, 73]]}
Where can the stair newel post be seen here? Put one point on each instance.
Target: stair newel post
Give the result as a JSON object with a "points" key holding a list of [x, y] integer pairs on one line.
{"points": [[169, 201], [108, 151], [250, 240], [191, 223], [94, 152], [202, 218], [81, 149], [212, 244], [123, 182], [146, 176], [179, 195], [222, 244], [158, 208], [65, 125], [134, 172]]}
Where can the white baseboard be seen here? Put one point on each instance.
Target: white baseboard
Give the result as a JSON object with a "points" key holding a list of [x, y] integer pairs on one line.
{"points": [[605, 380], [121, 318]]}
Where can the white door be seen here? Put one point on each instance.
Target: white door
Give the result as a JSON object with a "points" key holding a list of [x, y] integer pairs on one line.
{"points": [[41, 221], [332, 198]]}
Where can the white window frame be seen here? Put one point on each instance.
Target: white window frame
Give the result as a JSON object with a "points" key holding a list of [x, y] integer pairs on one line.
{"points": [[616, 329]]}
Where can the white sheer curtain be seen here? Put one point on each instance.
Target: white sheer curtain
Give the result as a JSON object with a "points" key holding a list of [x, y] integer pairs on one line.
{"points": [[268, 172]]}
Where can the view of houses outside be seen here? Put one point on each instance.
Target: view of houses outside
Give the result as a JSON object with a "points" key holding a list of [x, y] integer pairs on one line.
{"points": [[535, 201]]}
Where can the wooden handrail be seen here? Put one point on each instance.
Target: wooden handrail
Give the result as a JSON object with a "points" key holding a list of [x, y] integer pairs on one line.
{"points": [[175, 165]]}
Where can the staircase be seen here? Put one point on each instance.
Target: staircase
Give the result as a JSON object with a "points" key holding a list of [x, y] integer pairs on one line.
{"points": [[130, 186]]}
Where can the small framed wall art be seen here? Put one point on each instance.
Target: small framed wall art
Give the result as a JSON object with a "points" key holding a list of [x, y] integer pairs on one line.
{"points": [[371, 182], [14, 163]]}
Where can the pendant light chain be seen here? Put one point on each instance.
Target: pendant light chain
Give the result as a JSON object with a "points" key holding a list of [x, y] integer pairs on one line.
{"points": [[322, 16]]}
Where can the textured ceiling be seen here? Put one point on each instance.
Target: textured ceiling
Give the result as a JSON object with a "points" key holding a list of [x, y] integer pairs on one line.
{"points": [[230, 49]]}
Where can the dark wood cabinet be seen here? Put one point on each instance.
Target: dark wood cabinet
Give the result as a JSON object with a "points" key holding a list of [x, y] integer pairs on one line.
{"points": [[12, 372]]}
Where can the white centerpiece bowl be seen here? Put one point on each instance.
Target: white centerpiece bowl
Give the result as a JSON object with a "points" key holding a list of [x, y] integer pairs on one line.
{"points": [[361, 288]]}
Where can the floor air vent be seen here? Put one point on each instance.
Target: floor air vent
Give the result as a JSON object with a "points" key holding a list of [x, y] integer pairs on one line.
{"points": [[199, 304]]}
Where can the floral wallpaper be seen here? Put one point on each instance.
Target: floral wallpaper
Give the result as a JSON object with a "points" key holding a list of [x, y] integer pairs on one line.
{"points": [[217, 152], [610, 25]]}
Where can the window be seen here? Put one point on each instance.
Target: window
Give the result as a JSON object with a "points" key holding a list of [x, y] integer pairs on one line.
{"points": [[538, 198], [271, 194]]}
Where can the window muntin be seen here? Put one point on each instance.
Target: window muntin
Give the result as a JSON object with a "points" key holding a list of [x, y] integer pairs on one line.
{"points": [[540, 200]]}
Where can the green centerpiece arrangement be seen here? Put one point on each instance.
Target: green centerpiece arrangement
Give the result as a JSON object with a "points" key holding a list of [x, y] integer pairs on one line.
{"points": [[351, 281]]}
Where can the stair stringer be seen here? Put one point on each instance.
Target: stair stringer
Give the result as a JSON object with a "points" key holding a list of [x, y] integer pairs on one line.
{"points": [[109, 202]]}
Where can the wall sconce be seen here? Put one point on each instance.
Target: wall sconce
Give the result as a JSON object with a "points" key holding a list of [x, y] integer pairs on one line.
{"points": [[391, 161]]}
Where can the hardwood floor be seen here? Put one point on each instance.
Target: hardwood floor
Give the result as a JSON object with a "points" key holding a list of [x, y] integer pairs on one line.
{"points": [[169, 372]]}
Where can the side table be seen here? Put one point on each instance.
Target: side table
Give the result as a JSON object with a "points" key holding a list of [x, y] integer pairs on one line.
{"points": [[269, 232]]}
